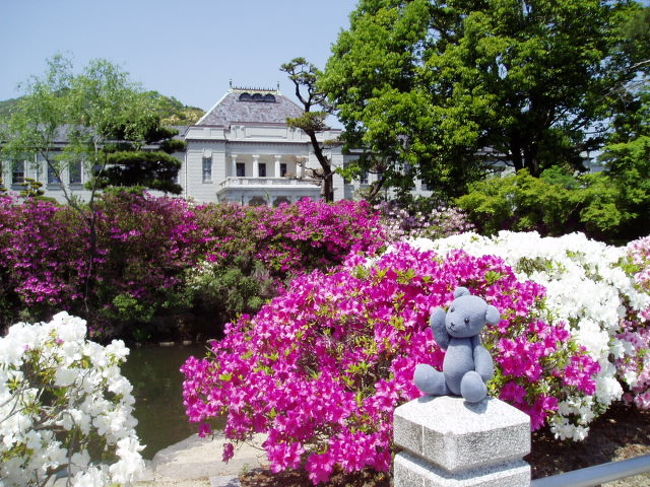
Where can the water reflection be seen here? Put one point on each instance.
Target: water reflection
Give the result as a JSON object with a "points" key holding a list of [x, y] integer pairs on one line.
{"points": [[157, 387]]}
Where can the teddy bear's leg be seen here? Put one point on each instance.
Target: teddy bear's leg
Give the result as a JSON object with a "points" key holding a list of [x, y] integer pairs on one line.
{"points": [[430, 381], [483, 363], [472, 387]]}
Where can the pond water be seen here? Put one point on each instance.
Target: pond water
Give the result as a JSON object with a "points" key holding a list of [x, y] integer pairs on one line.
{"points": [[158, 391]]}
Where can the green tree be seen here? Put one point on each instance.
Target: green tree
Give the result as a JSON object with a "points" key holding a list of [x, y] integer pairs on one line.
{"points": [[304, 76], [128, 164], [627, 161], [449, 87]]}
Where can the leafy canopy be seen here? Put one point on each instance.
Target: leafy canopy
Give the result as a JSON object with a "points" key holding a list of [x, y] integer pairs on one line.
{"points": [[444, 89]]}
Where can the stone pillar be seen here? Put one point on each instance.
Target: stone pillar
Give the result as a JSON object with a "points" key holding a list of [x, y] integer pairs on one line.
{"points": [[449, 442], [256, 159], [276, 172], [233, 165]]}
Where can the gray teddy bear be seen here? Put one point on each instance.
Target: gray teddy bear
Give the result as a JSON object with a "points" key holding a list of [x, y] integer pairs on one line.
{"points": [[467, 365]]}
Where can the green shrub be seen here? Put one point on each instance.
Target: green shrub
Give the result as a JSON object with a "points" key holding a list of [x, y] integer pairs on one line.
{"points": [[603, 205]]}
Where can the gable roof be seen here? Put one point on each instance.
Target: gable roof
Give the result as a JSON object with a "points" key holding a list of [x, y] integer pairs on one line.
{"points": [[231, 110]]}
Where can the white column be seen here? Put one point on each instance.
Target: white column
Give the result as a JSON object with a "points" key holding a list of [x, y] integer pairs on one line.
{"points": [[233, 165], [301, 162], [256, 159], [277, 166]]}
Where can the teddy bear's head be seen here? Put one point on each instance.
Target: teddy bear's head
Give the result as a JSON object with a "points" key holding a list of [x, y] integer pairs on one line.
{"points": [[468, 314]]}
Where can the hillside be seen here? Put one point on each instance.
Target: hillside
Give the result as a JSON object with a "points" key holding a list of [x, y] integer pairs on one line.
{"points": [[171, 110], [7, 106]]}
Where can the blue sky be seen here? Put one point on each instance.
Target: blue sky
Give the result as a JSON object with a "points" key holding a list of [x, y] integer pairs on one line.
{"points": [[188, 49]]}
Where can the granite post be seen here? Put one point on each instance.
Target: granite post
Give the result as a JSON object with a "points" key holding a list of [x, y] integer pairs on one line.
{"points": [[447, 442]]}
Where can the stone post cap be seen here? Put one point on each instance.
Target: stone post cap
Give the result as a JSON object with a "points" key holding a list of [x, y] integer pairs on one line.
{"points": [[458, 436]]}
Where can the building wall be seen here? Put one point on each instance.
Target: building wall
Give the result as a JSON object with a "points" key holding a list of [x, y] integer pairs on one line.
{"points": [[243, 143]]}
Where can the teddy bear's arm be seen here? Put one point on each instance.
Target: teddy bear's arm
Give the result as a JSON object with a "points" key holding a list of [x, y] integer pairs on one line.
{"points": [[437, 322], [482, 360]]}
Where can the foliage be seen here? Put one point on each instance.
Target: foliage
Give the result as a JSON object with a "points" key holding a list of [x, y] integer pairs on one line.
{"points": [[627, 160], [601, 205], [321, 368], [130, 165], [521, 202], [592, 290], [223, 292], [445, 89], [62, 401]]}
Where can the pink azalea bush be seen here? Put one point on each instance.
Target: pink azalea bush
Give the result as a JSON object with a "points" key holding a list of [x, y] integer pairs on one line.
{"points": [[293, 238], [123, 267], [322, 367], [134, 262], [634, 367]]}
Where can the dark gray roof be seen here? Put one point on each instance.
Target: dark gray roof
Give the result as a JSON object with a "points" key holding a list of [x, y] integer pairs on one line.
{"points": [[229, 110]]}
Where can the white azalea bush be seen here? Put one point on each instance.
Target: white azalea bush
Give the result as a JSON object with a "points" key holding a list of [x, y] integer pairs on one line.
{"points": [[65, 407], [593, 293]]}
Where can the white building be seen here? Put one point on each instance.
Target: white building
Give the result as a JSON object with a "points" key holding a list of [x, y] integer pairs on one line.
{"points": [[242, 150]]}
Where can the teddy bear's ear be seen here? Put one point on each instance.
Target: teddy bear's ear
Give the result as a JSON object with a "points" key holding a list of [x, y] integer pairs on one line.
{"points": [[461, 291], [492, 315]]}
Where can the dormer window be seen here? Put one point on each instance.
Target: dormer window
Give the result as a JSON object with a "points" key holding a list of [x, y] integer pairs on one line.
{"points": [[257, 97]]}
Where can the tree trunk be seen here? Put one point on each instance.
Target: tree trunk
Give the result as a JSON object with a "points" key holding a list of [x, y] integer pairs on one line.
{"points": [[530, 160], [325, 164], [515, 151]]}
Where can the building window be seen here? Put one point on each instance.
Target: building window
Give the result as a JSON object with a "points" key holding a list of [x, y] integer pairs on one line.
{"points": [[207, 169], [18, 172], [261, 168], [283, 169], [52, 175], [74, 172], [241, 169]]}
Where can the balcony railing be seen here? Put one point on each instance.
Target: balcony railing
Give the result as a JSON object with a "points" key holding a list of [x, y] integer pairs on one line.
{"points": [[236, 182]]}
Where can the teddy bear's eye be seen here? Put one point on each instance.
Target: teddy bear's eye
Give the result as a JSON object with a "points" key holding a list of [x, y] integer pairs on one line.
{"points": [[467, 321], [452, 309]]}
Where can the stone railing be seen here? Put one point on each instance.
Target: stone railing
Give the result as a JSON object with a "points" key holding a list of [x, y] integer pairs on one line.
{"points": [[447, 442]]}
